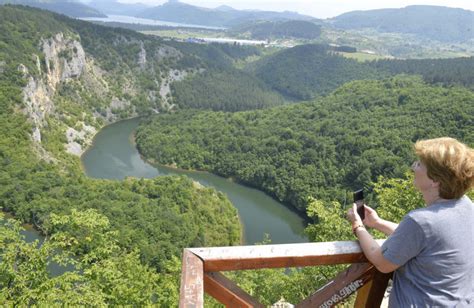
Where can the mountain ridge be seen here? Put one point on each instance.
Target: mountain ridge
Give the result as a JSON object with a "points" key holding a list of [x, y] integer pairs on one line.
{"points": [[434, 22], [186, 13], [70, 8]]}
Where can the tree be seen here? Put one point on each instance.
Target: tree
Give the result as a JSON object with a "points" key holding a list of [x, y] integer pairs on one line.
{"points": [[102, 274]]}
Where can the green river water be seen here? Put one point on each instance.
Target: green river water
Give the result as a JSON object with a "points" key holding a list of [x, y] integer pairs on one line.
{"points": [[114, 156]]}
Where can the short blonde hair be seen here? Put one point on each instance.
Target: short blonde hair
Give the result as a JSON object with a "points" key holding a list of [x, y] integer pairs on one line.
{"points": [[448, 162]]}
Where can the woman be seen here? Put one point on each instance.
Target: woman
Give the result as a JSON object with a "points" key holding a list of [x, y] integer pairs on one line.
{"points": [[432, 249]]}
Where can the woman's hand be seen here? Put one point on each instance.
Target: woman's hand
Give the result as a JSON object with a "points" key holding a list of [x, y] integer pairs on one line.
{"points": [[372, 219], [353, 216]]}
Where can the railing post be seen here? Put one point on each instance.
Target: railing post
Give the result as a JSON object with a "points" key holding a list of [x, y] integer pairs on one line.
{"points": [[338, 289], [192, 281], [371, 294]]}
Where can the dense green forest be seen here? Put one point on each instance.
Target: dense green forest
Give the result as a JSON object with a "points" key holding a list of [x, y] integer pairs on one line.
{"points": [[307, 71], [321, 149], [435, 71], [263, 30], [134, 230], [223, 90]]}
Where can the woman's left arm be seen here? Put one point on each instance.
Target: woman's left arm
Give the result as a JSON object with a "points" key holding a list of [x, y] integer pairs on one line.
{"points": [[369, 246]]}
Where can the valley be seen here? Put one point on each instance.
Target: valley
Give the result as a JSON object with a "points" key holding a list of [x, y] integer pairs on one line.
{"points": [[244, 141], [113, 156]]}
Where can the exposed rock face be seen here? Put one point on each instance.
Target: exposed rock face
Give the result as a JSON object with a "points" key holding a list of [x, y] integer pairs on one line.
{"points": [[165, 91], [63, 65], [142, 56], [65, 59], [38, 104], [166, 52], [111, 112], [77, 141]]}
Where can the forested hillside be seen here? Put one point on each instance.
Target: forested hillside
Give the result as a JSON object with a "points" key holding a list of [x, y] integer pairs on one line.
{"points": [[362, 130], [60, 81], [307, 71], [222, 90], [266, 30], [435, 71]]}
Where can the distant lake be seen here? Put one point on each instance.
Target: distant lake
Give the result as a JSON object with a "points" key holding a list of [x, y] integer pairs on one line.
{"points": [[231, 41], [143, 21]]}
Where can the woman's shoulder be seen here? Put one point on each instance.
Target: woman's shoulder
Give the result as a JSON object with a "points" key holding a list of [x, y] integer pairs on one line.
{"points": [[444, 210]]}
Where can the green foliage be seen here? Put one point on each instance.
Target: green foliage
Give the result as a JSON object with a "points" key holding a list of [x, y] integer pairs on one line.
{"points": [[442, 71], [112, 278], [307, 71], [159, 216], [227, 90], [263, 30], [108, 230], [329, 224], [396, 197], [212, 56], [20, 34], [322, 149]]}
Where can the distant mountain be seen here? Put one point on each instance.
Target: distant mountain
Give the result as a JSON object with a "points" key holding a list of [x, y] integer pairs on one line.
{"points": [[223, 16], [434, 22], [69, 8], [224, 8], [113, 7], [262, 30]]}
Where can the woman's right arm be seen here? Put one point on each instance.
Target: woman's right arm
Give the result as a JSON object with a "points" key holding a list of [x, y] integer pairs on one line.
{"points": [[372, 220]]}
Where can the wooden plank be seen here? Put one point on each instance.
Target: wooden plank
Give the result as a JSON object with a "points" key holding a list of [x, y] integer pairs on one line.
{"points": [[345, 283], [227, 292], [363, 294], [192, 283], [371, 295], [279, 256]]}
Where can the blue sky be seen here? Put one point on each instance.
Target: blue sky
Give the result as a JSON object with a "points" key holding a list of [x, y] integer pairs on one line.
{"points": [[317, 8]]}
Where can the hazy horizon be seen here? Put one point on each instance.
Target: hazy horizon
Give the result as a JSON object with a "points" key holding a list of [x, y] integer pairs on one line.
{"points": [[315, 8]]}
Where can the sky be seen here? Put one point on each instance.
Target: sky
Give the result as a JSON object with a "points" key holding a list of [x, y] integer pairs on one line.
{"points": [[317, 8]]}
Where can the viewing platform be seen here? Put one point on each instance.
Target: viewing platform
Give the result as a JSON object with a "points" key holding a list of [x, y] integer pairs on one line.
{"points": [[201, 269]]}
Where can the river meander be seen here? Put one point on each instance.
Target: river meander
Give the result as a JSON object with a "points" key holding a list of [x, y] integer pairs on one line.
{"points": [[114, 156]]}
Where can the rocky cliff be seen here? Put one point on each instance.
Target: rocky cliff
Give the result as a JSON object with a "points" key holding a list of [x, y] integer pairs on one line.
{"points": [[70, 86]]}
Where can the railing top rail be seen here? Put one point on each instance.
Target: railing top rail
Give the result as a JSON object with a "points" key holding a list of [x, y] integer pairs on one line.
{"points": [[200, 267], [277, 256]]}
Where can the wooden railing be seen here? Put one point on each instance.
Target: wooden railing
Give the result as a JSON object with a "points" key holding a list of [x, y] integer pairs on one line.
{"points": [[202, 266]]}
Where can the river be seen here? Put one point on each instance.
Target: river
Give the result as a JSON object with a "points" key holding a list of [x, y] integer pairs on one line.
{"points": [[114, 156]]}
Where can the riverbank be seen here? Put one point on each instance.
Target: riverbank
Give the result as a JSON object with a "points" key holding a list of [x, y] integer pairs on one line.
{"points": [[113, 155]]}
